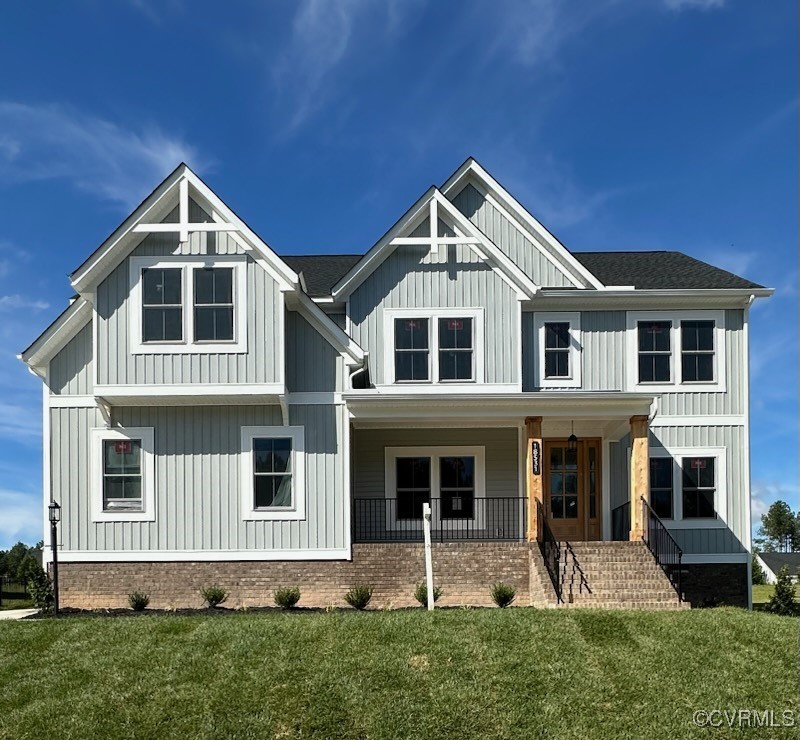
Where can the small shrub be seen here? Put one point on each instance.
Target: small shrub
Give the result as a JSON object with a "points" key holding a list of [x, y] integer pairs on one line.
{"points": [[503, 595], [782, 601], [214, 595], [421, 593], [40, 587], [138, 601], [287, 598], [359, 596]]}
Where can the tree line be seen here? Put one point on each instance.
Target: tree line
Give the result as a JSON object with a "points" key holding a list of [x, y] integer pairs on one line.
{"points": [[779, 530]]}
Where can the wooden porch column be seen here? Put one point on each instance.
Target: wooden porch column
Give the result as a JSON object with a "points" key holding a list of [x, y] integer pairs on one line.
{"points": [[640, 473], [533, 483]]}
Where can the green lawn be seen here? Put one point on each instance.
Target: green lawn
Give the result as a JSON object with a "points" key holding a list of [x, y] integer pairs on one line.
{"points": [[762, 594], [481, 673], [16, 604]]}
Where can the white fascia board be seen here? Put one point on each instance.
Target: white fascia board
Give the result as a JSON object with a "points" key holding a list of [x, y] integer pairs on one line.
{"points": [[524, 285], [645, 300], [56, 336], [535, 229], [327, 327], [380, 250], [152, 208]]}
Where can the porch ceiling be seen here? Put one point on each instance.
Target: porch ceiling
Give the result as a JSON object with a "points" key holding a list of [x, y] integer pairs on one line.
{"points": [[607, 413]]}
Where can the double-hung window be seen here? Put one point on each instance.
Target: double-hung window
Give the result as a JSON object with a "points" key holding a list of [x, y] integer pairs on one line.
{"points": [[185, 305], [559, 349], [272, 473], [699, 487], [661, 486], [457, 486], [676, 351], [123, 474], [434, 346], [413, 486]]}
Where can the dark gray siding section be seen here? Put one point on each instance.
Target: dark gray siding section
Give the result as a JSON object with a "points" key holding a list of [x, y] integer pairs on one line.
{"points": [[413, 278], [72, 370]]}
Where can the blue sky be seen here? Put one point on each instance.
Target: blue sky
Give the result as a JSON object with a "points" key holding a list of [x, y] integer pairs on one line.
{"points": [[621, 124]]}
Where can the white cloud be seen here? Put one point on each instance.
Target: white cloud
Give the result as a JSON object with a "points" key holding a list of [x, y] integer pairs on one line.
{"points": [[21, 518], [17, 302], [694, 4], [21, 423], [43, 142]]}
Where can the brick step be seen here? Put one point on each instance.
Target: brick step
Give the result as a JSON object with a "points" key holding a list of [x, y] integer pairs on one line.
{"points": [[621, 605]]}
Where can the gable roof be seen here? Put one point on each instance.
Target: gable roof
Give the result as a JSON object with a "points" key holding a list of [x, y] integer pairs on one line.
{"points": [[434, 205], [659, 271], [643, 270], [776, 560]]}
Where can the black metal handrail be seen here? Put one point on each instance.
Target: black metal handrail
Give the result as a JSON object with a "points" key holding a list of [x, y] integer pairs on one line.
{"points": [[453, 518], [551, 551], [663, 546], [621, 522], [583, 583]]}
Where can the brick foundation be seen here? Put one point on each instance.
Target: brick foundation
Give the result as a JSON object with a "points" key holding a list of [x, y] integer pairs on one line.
{"points": [[716, 584], [466, 571]]}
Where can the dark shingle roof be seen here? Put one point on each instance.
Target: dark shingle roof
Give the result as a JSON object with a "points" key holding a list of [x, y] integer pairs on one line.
{"points": [[776, 560], [658, 271], [321, 271], [643, 270]]}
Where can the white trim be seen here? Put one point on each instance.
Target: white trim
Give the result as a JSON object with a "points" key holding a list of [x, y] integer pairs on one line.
{"points": [[187, 265], [541, 234], [297, 511], [722, 420], [46, 489], [541, 318], [147, 436], [435, 453], [53, 339], [720, 482], [347, 463], [605, 486], [446, 387], [314, 398], [167, 556], [433, 315], [73, 402], [675, 385], [197, 390], [723, 557]]}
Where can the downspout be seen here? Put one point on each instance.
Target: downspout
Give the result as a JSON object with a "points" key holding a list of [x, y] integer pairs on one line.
{"points": [[364, 367]]}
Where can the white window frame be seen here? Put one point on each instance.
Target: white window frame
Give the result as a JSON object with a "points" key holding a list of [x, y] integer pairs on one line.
{"points": [[147, 436], [433, 315], [435, 454], [574, 379], [295, 512], [676, 385], [720, 455], [188, 345]]}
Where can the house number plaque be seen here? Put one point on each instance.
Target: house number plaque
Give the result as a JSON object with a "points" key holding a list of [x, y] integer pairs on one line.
{"points": [[536, 458]]}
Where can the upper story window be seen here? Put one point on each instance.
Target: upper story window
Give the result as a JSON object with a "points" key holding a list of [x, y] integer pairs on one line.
{"points": [[679, 351], [434, 346], [273, 473], [183, 305], [687, 486], [559, 350], [123, 477]]}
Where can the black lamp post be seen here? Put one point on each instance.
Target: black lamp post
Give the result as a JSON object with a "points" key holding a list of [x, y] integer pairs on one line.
{"points": [[54, 511]]}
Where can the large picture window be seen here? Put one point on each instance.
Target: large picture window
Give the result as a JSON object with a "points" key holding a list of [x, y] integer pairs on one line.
{"points": [[123, 474], [273, 473]]}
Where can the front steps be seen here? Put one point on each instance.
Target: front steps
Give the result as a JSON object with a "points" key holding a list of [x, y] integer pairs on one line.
{"points": [[609, 575]]}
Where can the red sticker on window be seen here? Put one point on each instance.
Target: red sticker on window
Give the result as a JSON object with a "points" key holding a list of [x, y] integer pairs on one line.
{"points": [[455, 324], [699, 463], [123, 448], [412, 324], [655, 328]]}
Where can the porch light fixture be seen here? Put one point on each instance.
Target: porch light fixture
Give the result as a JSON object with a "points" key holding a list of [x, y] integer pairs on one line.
{"points": [[572, 440], [54, 514]]}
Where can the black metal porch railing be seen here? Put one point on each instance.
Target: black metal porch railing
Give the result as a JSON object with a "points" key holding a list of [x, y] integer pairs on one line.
{"points": [[663, 546], [621, 522], [551, 551], [452, 518]]}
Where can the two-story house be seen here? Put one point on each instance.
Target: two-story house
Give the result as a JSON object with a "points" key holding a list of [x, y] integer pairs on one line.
{"points": [[217, 414]]}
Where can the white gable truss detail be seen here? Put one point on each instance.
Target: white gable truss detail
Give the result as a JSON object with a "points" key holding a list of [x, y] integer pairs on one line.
{"points": [[147, 218], [433, 206], [472, 173]]}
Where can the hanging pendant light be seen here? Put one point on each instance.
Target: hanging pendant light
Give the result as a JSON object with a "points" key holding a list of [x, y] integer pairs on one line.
{"points": [[572, 440]]}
